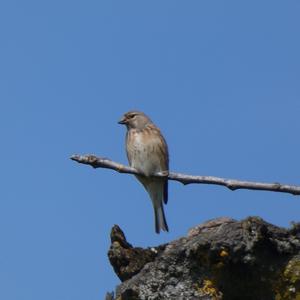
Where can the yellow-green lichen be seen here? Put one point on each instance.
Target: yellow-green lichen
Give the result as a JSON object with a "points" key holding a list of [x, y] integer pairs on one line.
{"points": [[289, 283], [208, 288]]}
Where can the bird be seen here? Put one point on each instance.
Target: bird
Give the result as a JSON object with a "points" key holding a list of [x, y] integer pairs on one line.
{"points": [[147, 152]]}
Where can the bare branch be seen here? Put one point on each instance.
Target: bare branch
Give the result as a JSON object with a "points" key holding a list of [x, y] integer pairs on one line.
{"points": [[232, 184]]}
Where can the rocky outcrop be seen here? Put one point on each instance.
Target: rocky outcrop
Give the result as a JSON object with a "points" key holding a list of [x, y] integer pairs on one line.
{"points": [[220, 259]]}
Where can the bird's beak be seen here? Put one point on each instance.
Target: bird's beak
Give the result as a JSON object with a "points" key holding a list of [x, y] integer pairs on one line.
{"points": [[122, 121]]}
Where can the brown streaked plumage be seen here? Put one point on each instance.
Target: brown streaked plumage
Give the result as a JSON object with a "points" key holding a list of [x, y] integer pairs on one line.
{"points": [[147, 151]]}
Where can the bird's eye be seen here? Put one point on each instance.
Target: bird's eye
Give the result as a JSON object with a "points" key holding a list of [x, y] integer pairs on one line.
{"points": [[131, 116]]}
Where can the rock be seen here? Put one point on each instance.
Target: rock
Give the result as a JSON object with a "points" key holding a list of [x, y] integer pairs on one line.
{"points": [[220, 259]]}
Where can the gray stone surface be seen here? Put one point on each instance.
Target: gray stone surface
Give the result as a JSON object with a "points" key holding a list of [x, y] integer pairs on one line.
{"points": [[220, 259]]}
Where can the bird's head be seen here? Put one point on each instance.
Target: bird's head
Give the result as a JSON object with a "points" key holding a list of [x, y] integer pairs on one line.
{"points": [[135, 120]]}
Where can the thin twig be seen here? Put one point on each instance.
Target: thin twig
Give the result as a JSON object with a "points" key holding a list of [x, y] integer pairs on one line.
{"points": [[232, 184]]}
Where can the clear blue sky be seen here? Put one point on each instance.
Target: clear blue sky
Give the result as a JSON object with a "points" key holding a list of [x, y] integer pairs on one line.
{"points": [[220, 78]]}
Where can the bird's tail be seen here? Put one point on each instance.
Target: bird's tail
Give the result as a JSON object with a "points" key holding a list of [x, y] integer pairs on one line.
{"points": [[156, 190], [160, 219]]}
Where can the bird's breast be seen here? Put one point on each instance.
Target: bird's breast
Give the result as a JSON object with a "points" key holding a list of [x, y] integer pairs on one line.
{"points": [[142, 153]]}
